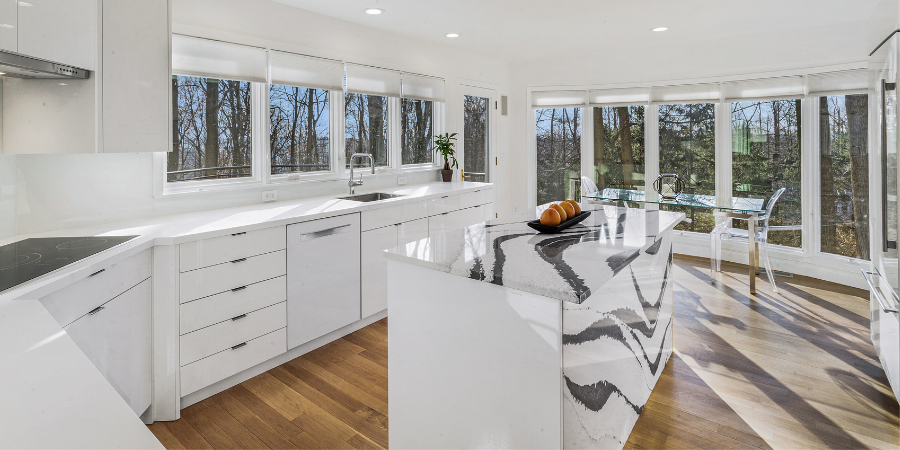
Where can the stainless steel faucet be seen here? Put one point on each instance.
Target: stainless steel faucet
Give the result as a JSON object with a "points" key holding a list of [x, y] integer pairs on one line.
{"points": [[354, 184]]}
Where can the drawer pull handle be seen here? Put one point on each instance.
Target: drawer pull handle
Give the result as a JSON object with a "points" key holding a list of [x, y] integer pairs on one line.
{"points": [[239, 234], [239, 346], [239, 317], [881, 300], [239, 260], [97, 272], [326, 232], [95, 310], [239, 289]]}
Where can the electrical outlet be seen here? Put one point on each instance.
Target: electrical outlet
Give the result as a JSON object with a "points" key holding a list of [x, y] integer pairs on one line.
{"points": [[401, 181], [269, 196]]}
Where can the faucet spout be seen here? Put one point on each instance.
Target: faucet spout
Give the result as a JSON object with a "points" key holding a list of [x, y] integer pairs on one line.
{"points": [[353, 183]]}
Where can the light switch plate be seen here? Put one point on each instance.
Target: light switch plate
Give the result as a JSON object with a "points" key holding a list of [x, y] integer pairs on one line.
{"points": [[269, 196], [401, 181]]}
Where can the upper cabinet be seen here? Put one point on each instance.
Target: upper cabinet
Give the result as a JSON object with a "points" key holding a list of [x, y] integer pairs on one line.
{"points": [[62, 31], [8, 23], [123, 107]]}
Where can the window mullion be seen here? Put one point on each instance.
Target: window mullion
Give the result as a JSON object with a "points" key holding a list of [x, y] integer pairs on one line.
{"points": [[338, 131], [811, 179], [651, 146], [260, 143], [587, 143], [723, 155]]}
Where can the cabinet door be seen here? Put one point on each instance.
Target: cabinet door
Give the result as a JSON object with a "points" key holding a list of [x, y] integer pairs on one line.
{"points": [[116, 338], [374, 268], [136, 80], [8, 24], [412, 231], [322, 277], [62, 31]]}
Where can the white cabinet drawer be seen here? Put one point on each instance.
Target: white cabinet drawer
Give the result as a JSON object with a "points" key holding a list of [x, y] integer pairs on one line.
{"points": [[216, 308], [412, 231], [209, 252], [224, 364], [475, 198], [225, 277], [455, 220], [392, 215], [443, 204], [75, 300], [227, 334]]}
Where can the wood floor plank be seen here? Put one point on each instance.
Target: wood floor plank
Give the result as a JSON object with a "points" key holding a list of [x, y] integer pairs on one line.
{"points": [[770, 371]]}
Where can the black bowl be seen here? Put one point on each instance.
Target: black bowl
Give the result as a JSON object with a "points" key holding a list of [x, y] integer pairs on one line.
{"points": [[550, 229]]}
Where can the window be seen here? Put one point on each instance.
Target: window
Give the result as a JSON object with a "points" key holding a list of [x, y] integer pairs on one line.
{"points": [[475, 138], [298, 129], [619, 147], [844, 175], [766, 157], [558, 133], [212, 136], [687, 148], [416, 131], [366, 127]]}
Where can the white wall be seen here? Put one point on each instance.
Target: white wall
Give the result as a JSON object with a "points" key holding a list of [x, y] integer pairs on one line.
{"points": [[7, 196], [60, 192]]}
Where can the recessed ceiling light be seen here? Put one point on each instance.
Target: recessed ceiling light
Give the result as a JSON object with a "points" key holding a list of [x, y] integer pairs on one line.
{"points": [[2, 73], [452, 35], [374, 11], [660, 29], [62, 84], [24, 4], [6, 25]]}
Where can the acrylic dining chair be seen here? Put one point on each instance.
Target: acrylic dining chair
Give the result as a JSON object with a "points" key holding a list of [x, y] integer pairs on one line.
{"points": [[725, 232]]}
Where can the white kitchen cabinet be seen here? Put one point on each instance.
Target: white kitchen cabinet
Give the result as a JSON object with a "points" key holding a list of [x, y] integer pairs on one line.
{"points": [[62, 31], [8, 25], [412, 231], [231, 275], [218, 250], [202, 373], [373, 272], [323, 277], [116, 338], [455, 220]]}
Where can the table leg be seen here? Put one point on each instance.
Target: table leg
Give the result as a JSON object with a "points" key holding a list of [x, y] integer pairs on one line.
{"points": [[757, 258], [754, 257]]}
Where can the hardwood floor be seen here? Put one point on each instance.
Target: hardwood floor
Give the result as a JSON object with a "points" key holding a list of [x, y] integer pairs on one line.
{"points": [[789, 370]]}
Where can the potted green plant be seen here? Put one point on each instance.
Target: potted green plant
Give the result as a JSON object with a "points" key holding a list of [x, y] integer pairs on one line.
{"points": [[443, 144]]}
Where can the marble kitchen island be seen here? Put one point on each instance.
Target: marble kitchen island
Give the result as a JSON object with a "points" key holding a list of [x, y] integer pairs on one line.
{"points": [[500, 337]]}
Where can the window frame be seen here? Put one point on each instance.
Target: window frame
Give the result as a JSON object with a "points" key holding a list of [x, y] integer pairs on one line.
{"points": [[434, 127]]}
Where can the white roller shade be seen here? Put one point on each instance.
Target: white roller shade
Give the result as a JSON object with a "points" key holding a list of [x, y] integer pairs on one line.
{"points": [[305, 71], [838, 83], [687, 93], [619, 97], [373, 80], [421, 87], [214, 59], [764, 89], [558, 99]]}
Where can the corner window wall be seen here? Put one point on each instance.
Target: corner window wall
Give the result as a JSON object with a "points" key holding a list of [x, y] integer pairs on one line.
{"points": [[844, 175], [299, 129], [687, 148], [212, 130], [619, 147], [416, 131], [765, 150], [558, 135]]}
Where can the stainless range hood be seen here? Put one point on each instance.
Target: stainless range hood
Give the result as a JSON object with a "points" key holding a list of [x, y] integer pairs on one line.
{"points": [[15, 65]]}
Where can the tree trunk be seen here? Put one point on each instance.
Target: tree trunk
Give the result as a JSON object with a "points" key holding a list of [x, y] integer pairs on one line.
{"points": [[311, 137], [857, 124], [376, 129], [826, 173], [599, 150], [211, 149], [625, 142]]}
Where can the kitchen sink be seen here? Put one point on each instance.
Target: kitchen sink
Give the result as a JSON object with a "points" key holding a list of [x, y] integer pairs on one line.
{"points": [[373, 197]]}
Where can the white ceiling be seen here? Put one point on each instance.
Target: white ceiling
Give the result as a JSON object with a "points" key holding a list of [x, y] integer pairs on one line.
{"points": [[521, 30]]}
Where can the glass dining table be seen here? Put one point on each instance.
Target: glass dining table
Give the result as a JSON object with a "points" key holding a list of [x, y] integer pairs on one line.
{"points": [[741, 208]]}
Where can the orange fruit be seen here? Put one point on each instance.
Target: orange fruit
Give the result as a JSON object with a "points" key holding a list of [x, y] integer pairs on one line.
{"points": [[550, 217], [562, 212], [575, 205], [570, 211]]}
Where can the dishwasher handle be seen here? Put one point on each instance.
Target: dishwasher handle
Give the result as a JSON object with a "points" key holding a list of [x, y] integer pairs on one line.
{"points": [[326, 232], [877, 292]]}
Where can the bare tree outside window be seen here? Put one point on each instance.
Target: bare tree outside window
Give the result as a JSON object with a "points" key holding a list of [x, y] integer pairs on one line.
{"points": [[211, 129], [366, 127], [475, 138], [558, 133], [619, 147], [416, 131], [844, 172], [766, 157], [298, 129], [687, 148]]}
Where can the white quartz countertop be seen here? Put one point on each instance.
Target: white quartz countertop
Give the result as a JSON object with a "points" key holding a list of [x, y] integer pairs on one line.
{"points": [[51, 396], [569, 266]]}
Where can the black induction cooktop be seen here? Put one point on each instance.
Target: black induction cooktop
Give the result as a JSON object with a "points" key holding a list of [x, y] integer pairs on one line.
{"points": [[30, 258]]}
